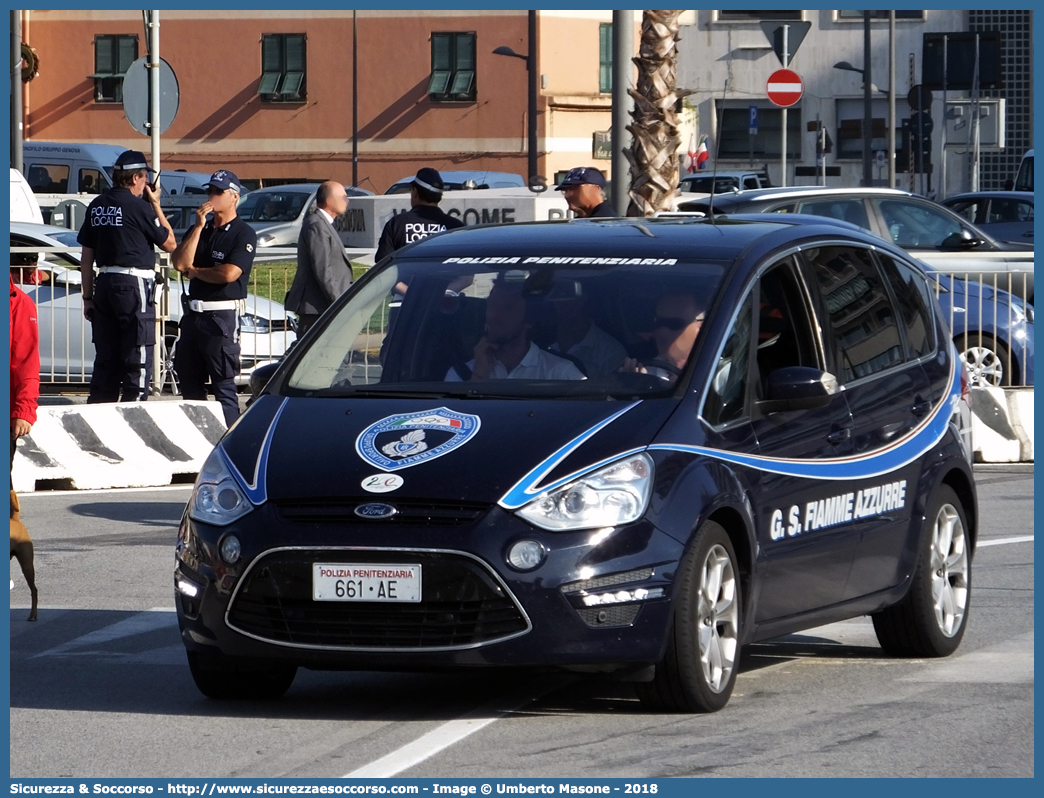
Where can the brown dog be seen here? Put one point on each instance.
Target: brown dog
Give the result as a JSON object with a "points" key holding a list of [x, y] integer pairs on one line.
{"points": [[22, 548]]}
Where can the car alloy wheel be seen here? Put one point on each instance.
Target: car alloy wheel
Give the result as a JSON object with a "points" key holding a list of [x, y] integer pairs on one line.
{"points": [[168, 378], [718, 618], [699, 667], [949, 568], [987, 361], [931, 619]]}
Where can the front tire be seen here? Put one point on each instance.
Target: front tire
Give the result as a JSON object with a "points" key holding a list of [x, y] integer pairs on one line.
{"points": [[233, 679], [698, 670], [931, 619]]}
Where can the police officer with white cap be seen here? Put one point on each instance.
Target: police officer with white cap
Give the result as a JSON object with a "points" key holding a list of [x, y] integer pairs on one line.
{"points": [[121, 229], [424, 218], [216, 256], [583, 189]]}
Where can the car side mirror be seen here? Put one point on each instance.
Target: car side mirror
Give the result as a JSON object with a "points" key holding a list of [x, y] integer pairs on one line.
{"points": [[799, 388], [260, 376], [962, 239]]}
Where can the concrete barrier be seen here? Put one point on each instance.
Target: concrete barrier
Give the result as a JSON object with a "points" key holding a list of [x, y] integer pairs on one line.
{"points": [[133, 444], [1002, 425]]}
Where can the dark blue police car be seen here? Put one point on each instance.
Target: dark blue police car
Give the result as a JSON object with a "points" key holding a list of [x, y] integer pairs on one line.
{"points": [[602, 445]]}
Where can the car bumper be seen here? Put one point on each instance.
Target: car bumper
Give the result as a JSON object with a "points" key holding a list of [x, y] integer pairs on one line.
{"points": [[597, 604]]}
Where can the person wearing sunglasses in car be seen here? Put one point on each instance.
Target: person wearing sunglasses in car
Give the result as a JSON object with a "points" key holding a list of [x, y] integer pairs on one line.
{"points": [[678, 319]]}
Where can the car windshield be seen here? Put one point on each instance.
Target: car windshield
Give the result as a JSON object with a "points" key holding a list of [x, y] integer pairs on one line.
{"points": [[512, 327], [273, 206]]}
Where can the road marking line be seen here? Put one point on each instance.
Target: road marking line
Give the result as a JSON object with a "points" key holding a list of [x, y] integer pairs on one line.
{"points": [[1002, 541], [427, 745], [139, 623]]}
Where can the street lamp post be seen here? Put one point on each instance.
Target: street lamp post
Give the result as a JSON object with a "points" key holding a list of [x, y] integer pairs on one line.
{"points": [[868, 118], [531, 68]]}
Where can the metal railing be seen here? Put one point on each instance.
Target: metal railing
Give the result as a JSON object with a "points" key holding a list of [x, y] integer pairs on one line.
{"points": [[991, 321], [67, 354]]}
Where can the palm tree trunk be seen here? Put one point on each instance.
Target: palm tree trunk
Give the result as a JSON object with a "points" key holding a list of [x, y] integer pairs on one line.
{"points": [[654, 145]]}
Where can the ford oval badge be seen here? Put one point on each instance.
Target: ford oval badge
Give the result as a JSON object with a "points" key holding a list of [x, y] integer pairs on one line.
{"points": [[375, 511]]}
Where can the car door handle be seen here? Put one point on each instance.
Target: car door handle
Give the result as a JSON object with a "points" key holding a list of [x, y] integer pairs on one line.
{"points": [[839, 435], [921, 407]]}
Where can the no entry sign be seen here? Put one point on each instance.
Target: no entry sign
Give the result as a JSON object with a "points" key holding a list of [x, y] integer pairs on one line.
{"points": [[784, 87]]}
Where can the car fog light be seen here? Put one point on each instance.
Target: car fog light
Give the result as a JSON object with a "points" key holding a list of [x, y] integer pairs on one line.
{"points": [[525, 555], [231, 549], [187, 588]]}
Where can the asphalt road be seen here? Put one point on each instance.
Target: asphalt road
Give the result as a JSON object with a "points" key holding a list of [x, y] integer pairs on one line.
{"points": [[99, 686]]}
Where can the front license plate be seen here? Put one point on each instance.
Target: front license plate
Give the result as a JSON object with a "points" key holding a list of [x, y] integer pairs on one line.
{"points": [[366, 582]]}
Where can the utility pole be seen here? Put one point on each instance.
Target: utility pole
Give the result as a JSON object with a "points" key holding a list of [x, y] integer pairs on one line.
{"points": [[355, 103], [154, 95], [945, 119], [783, 116], [891, 99], [620, 140], [531, 65], [16, 89], [868, 112]]}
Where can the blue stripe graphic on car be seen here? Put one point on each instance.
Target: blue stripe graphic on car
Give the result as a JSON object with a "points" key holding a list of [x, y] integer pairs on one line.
{"points": [[881, 461], [257, 491], [526, 488]]}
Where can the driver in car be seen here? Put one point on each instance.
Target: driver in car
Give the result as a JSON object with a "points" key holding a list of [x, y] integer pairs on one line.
{"points": [[505, 351], [678, 319]]}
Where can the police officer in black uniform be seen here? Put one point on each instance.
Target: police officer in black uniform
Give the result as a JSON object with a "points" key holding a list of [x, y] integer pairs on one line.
{"points": [[583, 189], [121, 229], [216, 256], [425, 218]]}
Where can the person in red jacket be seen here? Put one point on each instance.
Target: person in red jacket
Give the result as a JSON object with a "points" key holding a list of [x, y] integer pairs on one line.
{"points": [[25, 365]]}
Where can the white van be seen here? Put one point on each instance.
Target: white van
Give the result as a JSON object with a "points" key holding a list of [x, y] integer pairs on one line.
{"points": [[24, 207], [1024, 179], [53, 167]]}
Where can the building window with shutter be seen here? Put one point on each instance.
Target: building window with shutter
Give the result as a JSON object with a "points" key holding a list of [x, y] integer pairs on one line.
{"points": [[112, 57], [605, 57], [282, 68], [452, 67]]}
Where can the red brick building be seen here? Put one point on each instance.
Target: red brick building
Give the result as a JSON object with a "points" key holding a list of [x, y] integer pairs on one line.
{"points": [[269, 93]]}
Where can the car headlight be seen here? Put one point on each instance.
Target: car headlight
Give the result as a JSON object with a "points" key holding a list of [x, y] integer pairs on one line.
{"points": [[216, 497], [265, 240], [614, 495], [1018, 312], [249, 323]]}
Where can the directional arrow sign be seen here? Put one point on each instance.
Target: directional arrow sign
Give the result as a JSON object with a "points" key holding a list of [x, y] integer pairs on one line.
{"points": [[784, 87]]}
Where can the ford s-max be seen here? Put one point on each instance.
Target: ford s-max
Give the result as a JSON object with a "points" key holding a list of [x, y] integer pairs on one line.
{"points": [[629, 446]]}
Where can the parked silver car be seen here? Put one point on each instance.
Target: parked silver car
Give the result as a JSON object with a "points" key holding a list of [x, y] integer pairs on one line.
{"points": [[925, 229], [266, 329]]}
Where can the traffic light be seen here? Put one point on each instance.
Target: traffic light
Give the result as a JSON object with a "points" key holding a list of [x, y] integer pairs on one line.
{"points": [[902, 154], [921, 138]]}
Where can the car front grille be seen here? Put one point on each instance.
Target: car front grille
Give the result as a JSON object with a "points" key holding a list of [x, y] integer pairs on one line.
{"points": [[462, 605], [409, 513]]}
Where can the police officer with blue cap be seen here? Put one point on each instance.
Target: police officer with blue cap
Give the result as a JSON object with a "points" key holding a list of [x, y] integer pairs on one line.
{"points": [[583, 189], [216, 256], [121, 229]]}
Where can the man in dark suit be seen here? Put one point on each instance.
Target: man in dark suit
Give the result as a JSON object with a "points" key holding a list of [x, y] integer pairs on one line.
{"points": [[323, 269]]}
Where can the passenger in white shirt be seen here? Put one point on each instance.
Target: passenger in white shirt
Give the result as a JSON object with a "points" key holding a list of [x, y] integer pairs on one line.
{"points": [[505, 351], [580, 337]]}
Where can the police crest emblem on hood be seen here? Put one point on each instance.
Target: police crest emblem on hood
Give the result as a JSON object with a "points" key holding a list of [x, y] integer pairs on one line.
{"points": [[409, 439]]}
